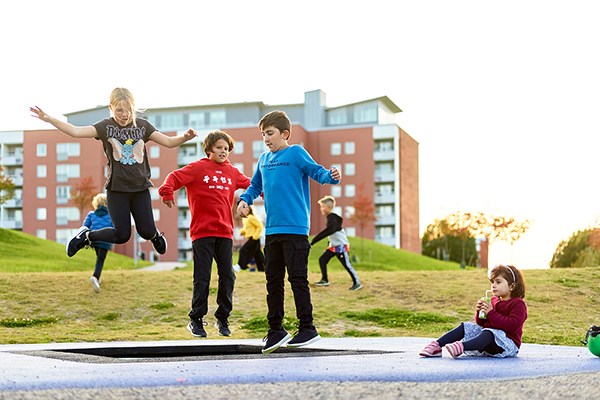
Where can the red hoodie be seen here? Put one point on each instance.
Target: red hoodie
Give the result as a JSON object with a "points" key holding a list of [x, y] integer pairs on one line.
{"points": [[210, 190]]}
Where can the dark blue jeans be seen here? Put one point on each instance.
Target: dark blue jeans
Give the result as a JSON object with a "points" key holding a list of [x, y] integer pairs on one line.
{"points": [[291, 252], [205, 250]]}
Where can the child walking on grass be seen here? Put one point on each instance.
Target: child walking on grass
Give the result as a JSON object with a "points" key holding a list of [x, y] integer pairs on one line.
{"points": [[98, 219], [497, 332]]}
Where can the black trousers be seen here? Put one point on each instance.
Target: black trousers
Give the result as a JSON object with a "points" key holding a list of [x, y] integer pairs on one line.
{"points": [[251, 249], [289, 252], [482, 342], [121, 207], [100, 257], [205, 250], [344, 259]]}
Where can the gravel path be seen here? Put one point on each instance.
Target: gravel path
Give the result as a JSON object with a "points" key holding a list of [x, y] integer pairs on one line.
{"points": [[575, 386]]}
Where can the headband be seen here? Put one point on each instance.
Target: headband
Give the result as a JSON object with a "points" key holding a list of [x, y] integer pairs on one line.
{"points": [[512, 272]]}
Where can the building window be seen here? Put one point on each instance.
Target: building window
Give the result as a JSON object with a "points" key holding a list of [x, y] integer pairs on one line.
{"points": [[336, 191], [384, 146], [154, 193], [41, 214], [383, 232], [40, 233], [41, 192], [337, 117], [217, 118], [239, 166], [63, 194], [197, 120], [349, 147], [238, 148], [172, 122], [350, 190], [365, 114], [154, 151], [350, 231], [66, 150], [42, 171], [66, 214], [258, 147], [336, 149], [156, 213], [349, 169], [67, 171], [154, 172], [41, 150]]}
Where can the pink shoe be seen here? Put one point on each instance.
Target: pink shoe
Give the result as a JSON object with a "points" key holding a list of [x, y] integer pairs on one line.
{"points": [[433, 349], [455, 349]]}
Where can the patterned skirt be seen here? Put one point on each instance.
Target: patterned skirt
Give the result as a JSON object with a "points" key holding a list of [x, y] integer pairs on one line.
{"points": [[510, 348]]}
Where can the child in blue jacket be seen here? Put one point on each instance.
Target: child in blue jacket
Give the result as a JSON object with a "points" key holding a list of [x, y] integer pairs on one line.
{"points": [[98, 219]]}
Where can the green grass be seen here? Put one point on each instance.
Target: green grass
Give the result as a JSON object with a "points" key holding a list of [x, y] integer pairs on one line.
{"points": [[409, 295], [20, 252]]}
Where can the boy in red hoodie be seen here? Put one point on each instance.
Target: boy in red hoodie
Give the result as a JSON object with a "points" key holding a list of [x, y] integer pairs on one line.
{"points": [[210, 184]]}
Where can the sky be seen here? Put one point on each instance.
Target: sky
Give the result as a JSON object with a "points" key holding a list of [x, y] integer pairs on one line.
{"points": [[503, 97]]}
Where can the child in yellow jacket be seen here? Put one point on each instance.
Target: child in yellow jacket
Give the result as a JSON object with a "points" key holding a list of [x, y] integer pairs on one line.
{"points": [[251, 230]]}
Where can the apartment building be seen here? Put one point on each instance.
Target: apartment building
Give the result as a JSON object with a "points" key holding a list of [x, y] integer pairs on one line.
{"points": [[378, 160]]}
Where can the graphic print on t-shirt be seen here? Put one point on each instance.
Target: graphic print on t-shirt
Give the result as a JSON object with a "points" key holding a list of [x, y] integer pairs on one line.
{"points": [[132, 150]]}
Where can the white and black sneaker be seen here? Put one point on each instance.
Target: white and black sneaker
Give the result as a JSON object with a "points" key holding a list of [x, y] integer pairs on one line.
{"points": [[78, 242], [304, 337], [196, 327], [159, 242], [275, 339]]}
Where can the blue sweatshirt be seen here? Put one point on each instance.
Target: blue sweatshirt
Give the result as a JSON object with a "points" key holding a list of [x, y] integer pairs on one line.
{"points": [[283, 178]]}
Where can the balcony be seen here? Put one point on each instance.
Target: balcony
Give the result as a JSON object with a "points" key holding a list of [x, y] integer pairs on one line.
{"points": [[384, 155], [11, 224], [16, 179], [14, 203], [183, 223], [12, 160], [385, 176], [385, 198], [386, 220], [185, 159], [184, 243], [388, 240]]}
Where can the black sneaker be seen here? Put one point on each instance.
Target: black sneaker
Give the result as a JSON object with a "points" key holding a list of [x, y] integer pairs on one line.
{"points": [[159, 242], [356, 286], [196, 327], [275, 339], [223, 327], [304, 337], [322, 282], [78, 242]]}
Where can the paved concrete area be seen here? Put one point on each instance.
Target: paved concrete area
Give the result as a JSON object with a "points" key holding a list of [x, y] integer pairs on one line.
{"points": [[366, 360], [164, 266]]}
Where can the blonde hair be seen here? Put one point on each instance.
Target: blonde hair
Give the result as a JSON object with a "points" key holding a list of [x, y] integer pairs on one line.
{"points": [[99, 200], [122, 95], [329, 200]]}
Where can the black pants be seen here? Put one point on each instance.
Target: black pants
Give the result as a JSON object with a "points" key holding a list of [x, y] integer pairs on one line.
{"points": [[251, 249], [289, 251], [205, 250], [482, 342], [100, 257], [344, 258], [121, 207]]}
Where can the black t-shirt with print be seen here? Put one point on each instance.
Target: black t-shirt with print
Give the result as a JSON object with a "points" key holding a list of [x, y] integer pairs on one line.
{"points": [[128, 167]]}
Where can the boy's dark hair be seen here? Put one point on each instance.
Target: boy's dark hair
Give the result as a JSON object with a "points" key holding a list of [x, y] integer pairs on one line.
{"points": [[277, 119], [213, 137], [512, 276]]}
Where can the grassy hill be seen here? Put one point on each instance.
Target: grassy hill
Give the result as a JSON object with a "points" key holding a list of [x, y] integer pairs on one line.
{"points": [[20, 252], [404, 294]]}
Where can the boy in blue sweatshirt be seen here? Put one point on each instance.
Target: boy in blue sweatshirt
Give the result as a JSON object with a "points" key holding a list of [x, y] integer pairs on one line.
{"points": [[282, 175]]}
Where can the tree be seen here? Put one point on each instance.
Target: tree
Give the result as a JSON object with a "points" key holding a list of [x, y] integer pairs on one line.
{"points": [[82, 194], [7, 187], [581, 249], [364, 214], [466, 226]]}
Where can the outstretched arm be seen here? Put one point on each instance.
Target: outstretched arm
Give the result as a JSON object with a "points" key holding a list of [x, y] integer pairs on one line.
{"points": [[65, 127], [172, 141]]}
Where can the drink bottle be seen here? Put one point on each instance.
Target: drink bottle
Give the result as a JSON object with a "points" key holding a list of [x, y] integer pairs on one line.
{"points": [[487, 298]]}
